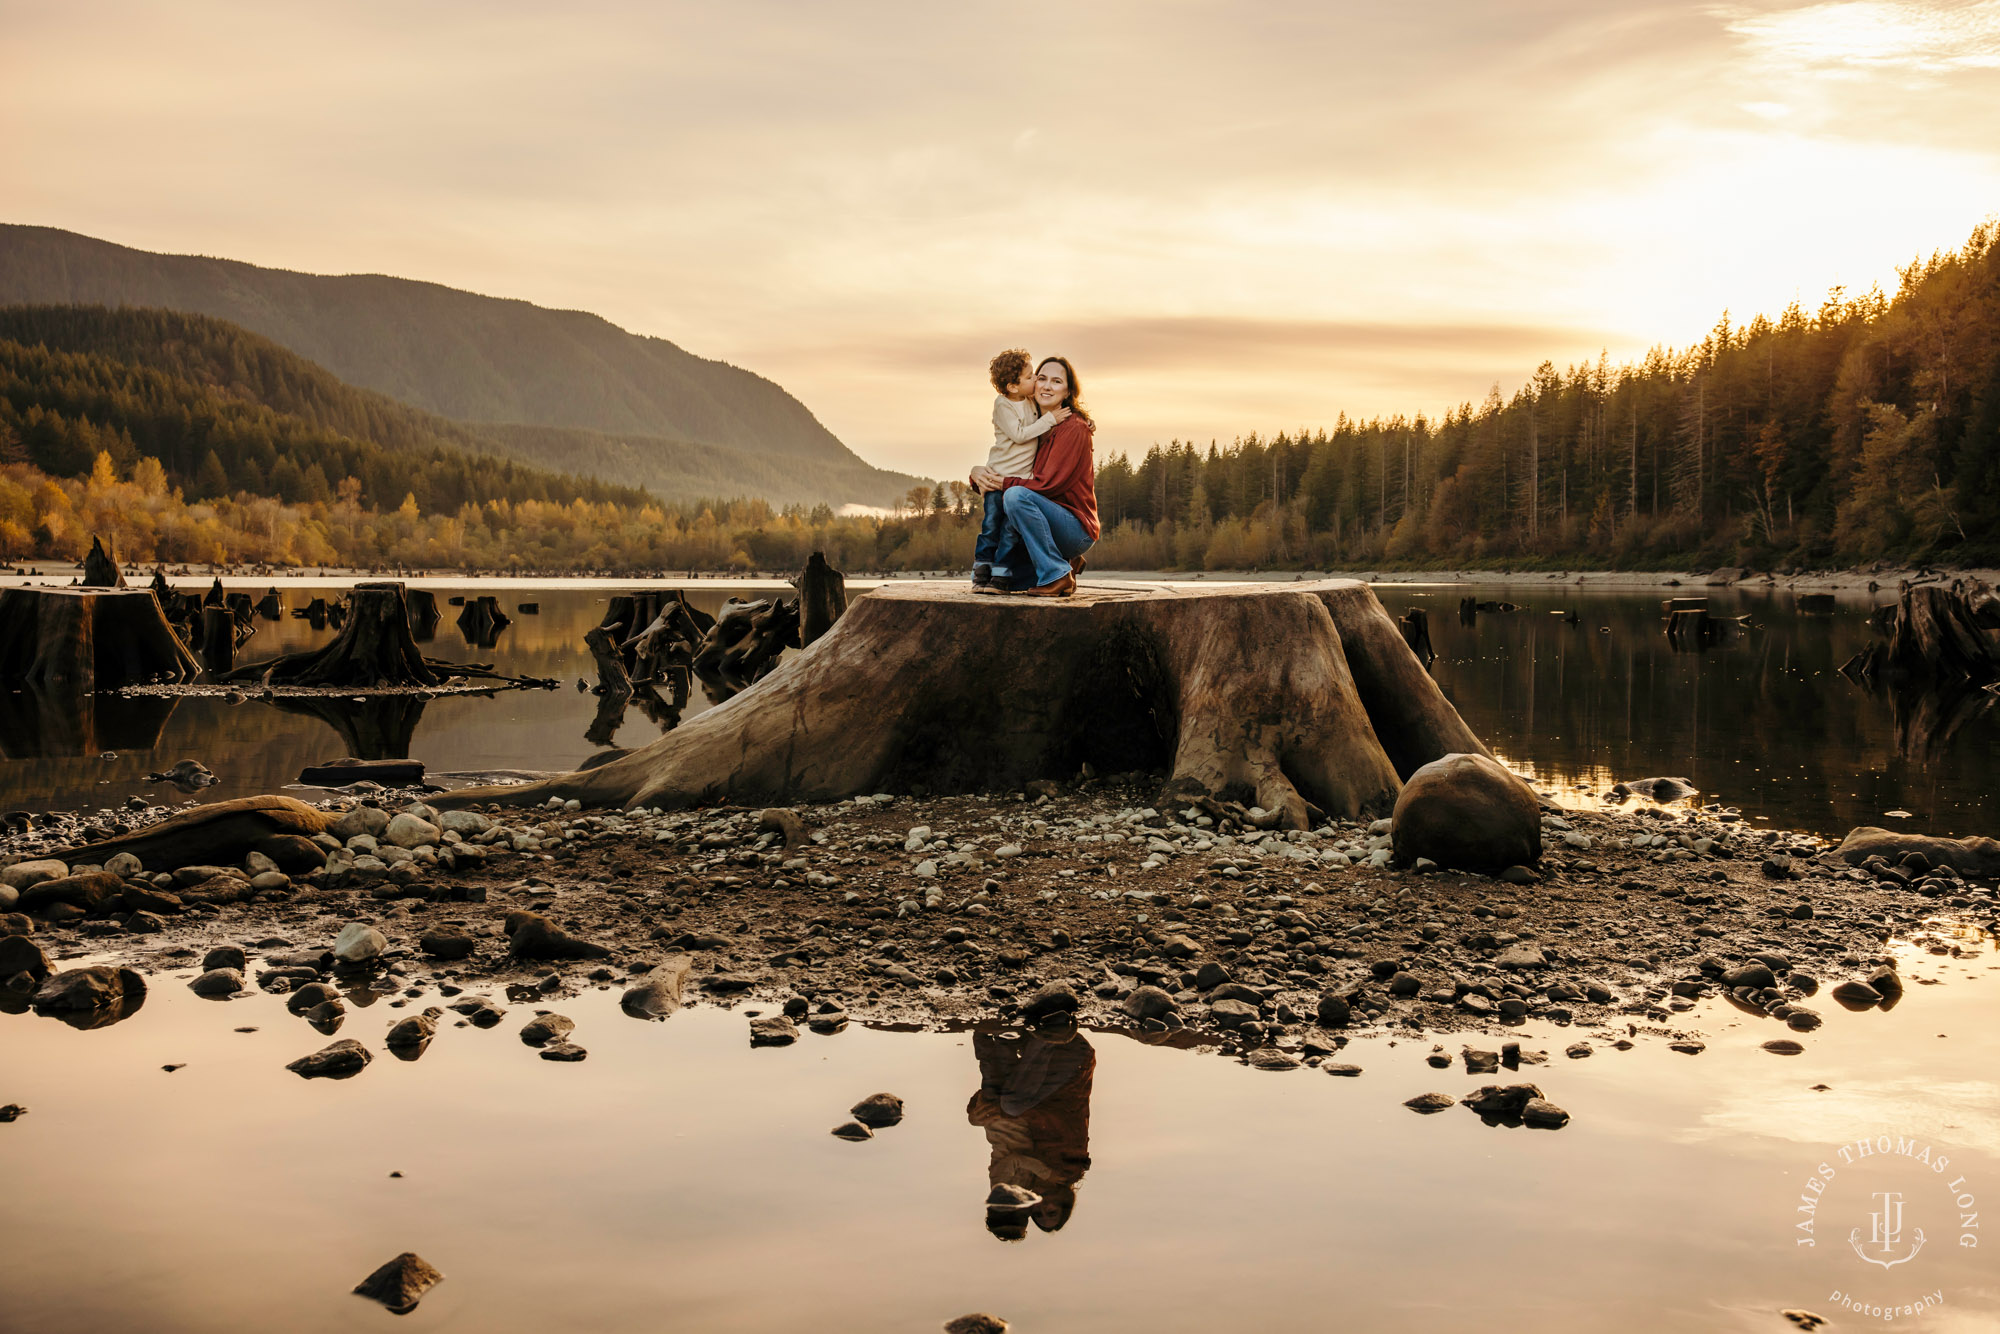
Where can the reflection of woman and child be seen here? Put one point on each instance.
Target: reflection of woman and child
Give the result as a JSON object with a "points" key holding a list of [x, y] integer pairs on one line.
{"points": [[1039, 481], [1034, 1105]]}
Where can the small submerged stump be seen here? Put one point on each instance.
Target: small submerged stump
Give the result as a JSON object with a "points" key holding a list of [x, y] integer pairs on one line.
{"points": [[422, 605], [656, 633], [1416, 627], [374, 650], [481, 621], [1938, 636], [218, 639], [822, 598], [100, 567], [745, 643]]}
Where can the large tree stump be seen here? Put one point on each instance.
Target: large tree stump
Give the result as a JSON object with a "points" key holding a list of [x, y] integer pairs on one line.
{"points": [[71, 640], [1300, 698]]}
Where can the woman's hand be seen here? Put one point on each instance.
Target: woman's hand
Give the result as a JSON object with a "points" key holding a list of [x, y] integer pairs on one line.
{"points": [[984, 479], [1060, 414]]}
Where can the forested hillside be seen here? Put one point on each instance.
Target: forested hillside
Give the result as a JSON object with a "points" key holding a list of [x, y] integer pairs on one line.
{"points": [[472, 358], [222, 412], [1867, 428], [246, 368]]}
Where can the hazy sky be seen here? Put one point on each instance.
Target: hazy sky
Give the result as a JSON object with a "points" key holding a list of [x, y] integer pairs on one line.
{"points": [[1232, 216]]}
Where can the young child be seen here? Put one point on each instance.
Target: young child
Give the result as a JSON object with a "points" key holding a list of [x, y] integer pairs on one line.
{"points": [[1016, 432]]}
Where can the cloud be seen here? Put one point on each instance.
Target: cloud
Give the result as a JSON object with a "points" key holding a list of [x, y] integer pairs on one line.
{"points": [[1237, 217], [1853, 36]]}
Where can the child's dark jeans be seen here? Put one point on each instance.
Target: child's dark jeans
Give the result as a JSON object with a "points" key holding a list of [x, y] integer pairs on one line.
{"points": [[987, 549]]}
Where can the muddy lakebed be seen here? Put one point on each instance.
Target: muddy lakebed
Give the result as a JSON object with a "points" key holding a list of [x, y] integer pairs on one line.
{"points": [[1220, 1137]]}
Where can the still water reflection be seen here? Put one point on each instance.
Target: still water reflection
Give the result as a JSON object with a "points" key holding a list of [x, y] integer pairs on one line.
{"points": [[681, 1180], [1761, 721]]}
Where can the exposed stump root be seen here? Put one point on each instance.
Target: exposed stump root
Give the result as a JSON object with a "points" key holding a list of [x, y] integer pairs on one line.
{"points": [[1301, 698]]}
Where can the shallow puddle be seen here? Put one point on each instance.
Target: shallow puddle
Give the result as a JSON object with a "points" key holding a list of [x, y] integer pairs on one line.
{"points": [[679, 1179]]}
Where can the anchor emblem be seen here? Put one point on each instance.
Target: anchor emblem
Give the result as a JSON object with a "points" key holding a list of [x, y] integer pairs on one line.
{"points": [[1886, 1234]]}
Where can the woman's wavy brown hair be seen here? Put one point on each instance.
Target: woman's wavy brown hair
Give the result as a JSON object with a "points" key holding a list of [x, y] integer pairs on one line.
{"points": [[1075, 400], [1008, 368]]}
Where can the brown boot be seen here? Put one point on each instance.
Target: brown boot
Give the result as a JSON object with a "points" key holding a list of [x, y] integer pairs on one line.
{"points": [[1061, 588], [1076, 566]]}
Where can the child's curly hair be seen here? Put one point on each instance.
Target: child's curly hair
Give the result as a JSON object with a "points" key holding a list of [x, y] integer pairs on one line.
{"points": [[1008, 368]]}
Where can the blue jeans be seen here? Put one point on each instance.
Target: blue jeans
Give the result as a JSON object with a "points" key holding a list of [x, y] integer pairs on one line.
{"points": [[1038, 536], [987, 548]]}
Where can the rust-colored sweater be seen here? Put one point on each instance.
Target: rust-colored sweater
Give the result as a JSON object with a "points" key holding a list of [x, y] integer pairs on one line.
{"points": [[1066, 473]]}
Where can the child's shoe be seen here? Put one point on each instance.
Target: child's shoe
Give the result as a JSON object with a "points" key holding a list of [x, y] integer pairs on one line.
{"points": [[982, 575]]}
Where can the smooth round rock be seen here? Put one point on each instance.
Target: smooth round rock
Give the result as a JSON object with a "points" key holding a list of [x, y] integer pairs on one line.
{"points": [[1468, 812]]}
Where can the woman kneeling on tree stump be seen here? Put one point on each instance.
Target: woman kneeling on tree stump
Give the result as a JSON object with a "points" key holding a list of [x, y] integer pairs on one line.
{"points": [[1050, 519]]}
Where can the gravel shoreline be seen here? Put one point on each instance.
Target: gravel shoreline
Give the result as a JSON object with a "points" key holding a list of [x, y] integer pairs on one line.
{"points": [[1084, 900]]}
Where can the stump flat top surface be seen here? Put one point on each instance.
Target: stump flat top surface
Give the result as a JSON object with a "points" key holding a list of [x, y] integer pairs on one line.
{"points": [[1089, 594], [78, 591]]}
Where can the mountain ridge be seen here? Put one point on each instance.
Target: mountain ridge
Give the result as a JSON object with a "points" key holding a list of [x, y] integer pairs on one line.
{"points": [[466, 356]]}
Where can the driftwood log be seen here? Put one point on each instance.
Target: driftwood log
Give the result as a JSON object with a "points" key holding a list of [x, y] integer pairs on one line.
{"points": [[1301, 698], [71, 640], [222, 833]]}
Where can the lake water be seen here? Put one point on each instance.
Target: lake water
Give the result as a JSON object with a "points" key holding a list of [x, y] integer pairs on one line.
{"points": [[680, 1180], [1762, 722]]}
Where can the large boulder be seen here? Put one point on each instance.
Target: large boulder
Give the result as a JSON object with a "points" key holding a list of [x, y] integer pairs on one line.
{"points": [[658, 994], [97, 988], [410, 831], [370, 820], [20, 954], [93, 891], [23, 874], [1468, 812], [534, 936], [336, 1060], [359, 943]]}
